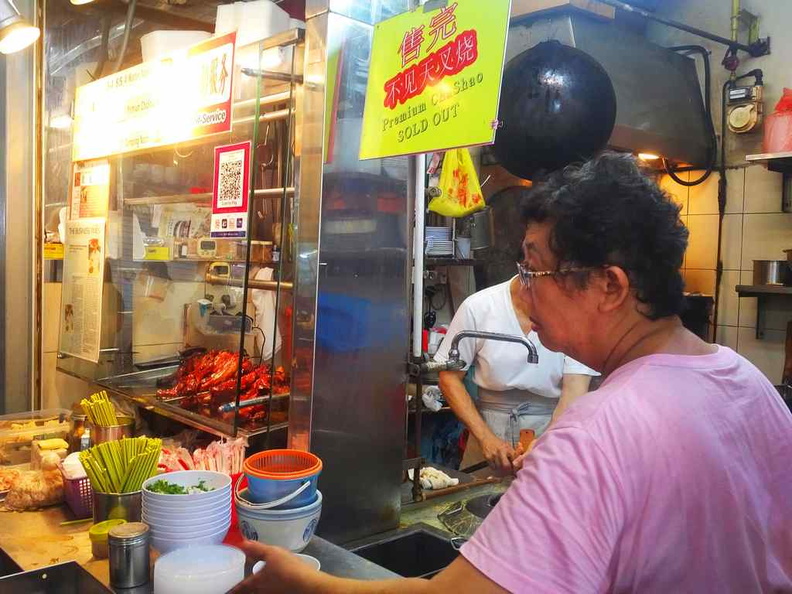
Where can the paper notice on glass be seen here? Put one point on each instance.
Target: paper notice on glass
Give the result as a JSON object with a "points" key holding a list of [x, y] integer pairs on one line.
{"points": [[90, 190], [83, 282]]}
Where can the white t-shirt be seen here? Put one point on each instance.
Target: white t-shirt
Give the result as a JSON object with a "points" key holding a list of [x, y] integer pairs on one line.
{"points": [[502, 366]]}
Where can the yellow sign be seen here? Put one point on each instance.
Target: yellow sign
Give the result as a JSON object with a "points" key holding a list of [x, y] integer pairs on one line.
{"points": [[184, 95], [435, 78], [53, 251], [157, 253]]}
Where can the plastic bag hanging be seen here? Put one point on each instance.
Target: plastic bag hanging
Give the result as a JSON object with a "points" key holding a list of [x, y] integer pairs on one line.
{"points": [[460, 186]]}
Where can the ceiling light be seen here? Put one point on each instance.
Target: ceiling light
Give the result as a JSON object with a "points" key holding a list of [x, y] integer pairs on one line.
{"points": [[81, 2], [648, 156], [15, 32]]}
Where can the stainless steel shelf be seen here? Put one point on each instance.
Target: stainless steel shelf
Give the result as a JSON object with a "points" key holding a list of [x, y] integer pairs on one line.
{"points": [[202, 198], [778, 162], [762, 293]]}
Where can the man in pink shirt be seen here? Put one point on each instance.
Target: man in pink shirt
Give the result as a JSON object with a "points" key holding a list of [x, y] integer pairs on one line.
{"points": [[675, 476]]}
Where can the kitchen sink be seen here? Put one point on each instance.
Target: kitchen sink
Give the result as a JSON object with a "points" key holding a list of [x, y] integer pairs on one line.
{"points": [[417, 551], [64, 578]]}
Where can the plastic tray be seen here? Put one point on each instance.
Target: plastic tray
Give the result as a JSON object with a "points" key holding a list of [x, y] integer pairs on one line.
{"points": [[17, 432]]}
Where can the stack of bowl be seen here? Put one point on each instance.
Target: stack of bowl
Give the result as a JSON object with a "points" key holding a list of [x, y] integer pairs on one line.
{"points": [[281, 505], [195, 519]]}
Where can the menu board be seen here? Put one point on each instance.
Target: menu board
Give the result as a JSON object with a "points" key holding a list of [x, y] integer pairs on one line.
{"points": [[182, 96], [83, 282]]}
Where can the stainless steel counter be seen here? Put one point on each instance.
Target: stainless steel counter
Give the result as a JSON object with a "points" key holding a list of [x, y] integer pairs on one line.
{"points": [[37, 539], [342, 563]]}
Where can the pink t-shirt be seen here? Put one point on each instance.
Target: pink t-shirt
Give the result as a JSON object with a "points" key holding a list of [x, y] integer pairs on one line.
{"points": [[674, 477]]}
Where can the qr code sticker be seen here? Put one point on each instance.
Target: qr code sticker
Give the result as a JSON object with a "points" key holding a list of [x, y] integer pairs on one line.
{"points": [[229, 191]]}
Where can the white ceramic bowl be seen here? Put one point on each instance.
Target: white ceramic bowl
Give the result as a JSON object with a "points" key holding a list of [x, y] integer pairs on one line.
{"points": [[196, 533], [183, 502], [167, 544], [221, 483], [180, 515], [199, 570], [287, 528], [194, 525]]}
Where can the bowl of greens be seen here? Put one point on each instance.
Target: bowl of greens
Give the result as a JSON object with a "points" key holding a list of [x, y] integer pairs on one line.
{"points": [[174, 489]]}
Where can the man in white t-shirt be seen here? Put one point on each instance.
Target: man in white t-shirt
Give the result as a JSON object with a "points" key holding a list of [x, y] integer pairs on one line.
{"points": [[512, 394]]}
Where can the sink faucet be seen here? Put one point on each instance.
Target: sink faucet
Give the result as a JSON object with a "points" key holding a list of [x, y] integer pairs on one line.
{"points": [[454, 363]]}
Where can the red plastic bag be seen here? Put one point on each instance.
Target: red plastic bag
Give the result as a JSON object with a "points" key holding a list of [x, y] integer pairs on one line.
{"points": [[778, 126]]}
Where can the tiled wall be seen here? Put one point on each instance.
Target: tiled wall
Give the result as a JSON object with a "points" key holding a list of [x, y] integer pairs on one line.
{"points": [[754, 228]]}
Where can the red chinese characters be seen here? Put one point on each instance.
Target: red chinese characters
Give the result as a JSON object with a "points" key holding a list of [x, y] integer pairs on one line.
{"points": [[410, 47], [449, 60], [443, 25]]}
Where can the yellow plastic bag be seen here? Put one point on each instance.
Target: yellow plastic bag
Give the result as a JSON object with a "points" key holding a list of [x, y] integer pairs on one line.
{"points": [[460, 185]]}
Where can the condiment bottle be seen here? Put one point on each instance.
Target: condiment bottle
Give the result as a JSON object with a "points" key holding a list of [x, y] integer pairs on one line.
{"points": [[128, 546]]}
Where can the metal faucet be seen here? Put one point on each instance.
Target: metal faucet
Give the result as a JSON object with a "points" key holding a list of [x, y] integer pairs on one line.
{"points": [[454, 363]]}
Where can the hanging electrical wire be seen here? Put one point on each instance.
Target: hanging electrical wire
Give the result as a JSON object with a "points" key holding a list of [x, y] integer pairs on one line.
{"points": [[130, 16], [713, 146]]}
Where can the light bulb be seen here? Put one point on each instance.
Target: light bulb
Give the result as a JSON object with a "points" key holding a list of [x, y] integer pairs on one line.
{"points": [[648, 156]]}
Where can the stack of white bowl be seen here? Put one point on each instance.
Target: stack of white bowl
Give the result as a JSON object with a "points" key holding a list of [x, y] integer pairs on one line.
{"points": [[181, 521], [438, 241]]}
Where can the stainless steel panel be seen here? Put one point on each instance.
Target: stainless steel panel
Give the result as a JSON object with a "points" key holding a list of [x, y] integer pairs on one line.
{"points": [[351, 295], [19, 151]]}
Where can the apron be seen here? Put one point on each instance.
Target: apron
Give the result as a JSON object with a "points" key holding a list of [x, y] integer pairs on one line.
{"points": [[506, 413]]}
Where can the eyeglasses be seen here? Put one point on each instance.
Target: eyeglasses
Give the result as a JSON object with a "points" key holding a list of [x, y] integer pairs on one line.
{"points": [[526, 275]]}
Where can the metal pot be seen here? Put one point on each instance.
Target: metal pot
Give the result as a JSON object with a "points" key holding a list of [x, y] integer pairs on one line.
{"points": [[772, 272]]}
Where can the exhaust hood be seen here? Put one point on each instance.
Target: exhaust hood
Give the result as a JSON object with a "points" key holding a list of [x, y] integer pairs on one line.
{"points": [[659, 104]]}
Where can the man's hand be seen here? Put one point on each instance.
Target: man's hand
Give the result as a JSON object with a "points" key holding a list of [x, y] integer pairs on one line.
{"points": [[499, 454], [283, 572], [521, 455]]}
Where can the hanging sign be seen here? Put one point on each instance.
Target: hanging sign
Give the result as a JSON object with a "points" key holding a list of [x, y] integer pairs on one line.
{"points": [[231, 190], [90, 190], [434, 79], [83, 282], [182, 96]]}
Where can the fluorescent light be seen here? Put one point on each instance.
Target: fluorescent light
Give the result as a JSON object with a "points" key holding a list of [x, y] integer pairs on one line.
{"points": [[80, 2], [648, 156], [15, 32]]}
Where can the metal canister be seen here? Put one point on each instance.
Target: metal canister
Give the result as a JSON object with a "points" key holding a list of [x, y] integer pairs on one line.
{"points": [[128, 546]]}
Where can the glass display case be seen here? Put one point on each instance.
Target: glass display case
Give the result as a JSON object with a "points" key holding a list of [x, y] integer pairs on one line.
{"points": [[183, 300]]}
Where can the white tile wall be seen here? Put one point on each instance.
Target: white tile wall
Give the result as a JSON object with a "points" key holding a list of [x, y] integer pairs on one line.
{"points": [[735, 190], [678, 192], [767, 354], [703, 198], [700, 281], [703, 244], [727, 336], [732, 241], [765, 237], [729, 302], [762, 190]]}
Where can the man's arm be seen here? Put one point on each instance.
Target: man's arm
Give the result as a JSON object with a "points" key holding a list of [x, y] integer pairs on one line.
{"points": [[285, 573], [573, 386], [498, 453]]}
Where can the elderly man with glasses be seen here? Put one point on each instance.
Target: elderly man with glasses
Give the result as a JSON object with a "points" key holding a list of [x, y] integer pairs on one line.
{"points": [[673, 476]]}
